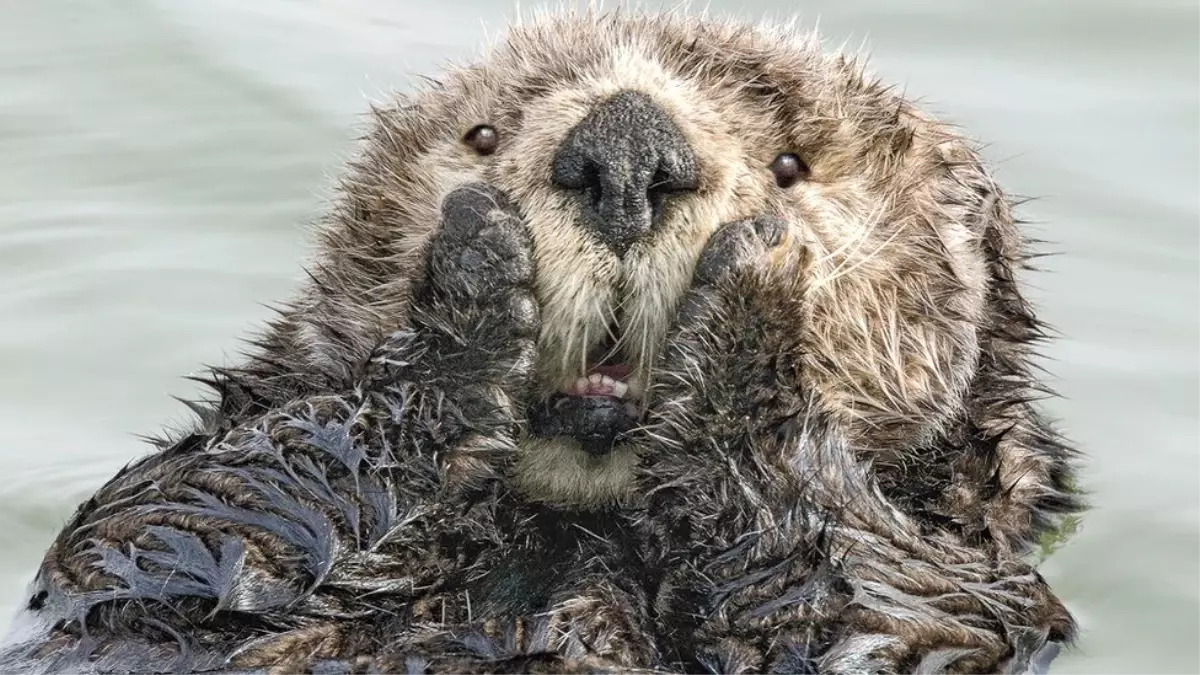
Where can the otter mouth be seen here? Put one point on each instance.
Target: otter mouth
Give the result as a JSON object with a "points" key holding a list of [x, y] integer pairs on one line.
{"points": [[595, 410]]}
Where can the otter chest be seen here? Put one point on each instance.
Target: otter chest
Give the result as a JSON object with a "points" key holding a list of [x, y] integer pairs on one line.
{"points": [[552, 551]]}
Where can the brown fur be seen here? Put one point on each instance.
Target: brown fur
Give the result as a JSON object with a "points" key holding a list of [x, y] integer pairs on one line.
{"points": [[914, 309], [890, 317]]}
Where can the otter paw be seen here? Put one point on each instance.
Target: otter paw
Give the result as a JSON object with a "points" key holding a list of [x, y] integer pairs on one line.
{"points": [[740, 249], [481, 250], [743, 245]]}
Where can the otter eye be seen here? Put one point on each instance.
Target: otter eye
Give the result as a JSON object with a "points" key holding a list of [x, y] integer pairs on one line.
{"points": [[483, 139], [788, 169]]}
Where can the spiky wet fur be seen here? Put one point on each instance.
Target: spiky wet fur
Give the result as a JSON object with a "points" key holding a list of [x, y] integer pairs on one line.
{"points": [[842, 463]]}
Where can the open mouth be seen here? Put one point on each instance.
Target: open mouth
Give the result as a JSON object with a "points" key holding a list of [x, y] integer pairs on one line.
{"points": [[595, 410]]}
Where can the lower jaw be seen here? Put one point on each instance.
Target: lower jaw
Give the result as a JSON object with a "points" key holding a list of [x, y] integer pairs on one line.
{"points": [[596, 423]]}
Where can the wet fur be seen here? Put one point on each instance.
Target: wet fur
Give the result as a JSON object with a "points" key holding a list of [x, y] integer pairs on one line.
{"points": [[842, 465]]}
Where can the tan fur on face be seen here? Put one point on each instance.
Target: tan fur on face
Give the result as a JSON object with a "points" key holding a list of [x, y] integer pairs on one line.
{"points": [[584, 288], [558, 471], [892, 215]]}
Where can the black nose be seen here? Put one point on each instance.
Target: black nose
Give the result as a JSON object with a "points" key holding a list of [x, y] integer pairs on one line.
{"points": [[625, 158]]}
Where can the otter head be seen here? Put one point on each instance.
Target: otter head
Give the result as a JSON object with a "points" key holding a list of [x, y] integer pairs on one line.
{"points": [[627, 141]]}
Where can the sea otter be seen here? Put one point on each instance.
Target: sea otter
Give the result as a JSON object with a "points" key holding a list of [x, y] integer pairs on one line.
{"points": [[647, 342]]}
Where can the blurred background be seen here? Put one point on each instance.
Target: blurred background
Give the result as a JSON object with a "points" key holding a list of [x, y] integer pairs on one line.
{"points": [[161, 161]]}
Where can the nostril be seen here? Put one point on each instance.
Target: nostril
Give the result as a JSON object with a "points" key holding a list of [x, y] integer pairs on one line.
{"points": [[665, 183], [660, 182], [660, 187], [591, 184], [581, 174]]}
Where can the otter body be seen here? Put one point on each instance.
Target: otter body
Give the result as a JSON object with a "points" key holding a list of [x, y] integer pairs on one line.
{"points": [[646, 343]]}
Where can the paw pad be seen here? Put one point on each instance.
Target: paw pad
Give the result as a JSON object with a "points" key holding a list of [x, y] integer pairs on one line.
{"points": [[481, 248], [742, 243]]}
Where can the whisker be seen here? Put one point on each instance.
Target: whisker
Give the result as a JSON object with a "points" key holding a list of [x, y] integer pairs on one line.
{"points": [[843, 268], [852, 246]]}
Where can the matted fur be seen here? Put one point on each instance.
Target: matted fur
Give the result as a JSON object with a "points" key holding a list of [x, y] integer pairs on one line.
{"points": [[915, 248], [863, 507]]}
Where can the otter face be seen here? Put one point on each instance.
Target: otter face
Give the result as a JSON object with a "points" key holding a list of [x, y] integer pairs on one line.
{"points": [[627, 141]]}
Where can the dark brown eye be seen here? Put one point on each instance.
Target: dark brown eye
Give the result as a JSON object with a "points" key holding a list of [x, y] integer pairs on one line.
{"points": [[789, 169], [483, 139]]}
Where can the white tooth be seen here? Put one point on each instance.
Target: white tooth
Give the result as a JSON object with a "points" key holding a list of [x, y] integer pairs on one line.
{"points": [[596, 379], [619, 389], [635, 386], [580, 387]]}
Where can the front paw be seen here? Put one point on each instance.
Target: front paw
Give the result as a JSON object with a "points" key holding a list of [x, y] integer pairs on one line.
{"points": [[737, 340], [482, 248], [474, 312], [739, 259], [729, 380], [480, 263], [466, 361]]}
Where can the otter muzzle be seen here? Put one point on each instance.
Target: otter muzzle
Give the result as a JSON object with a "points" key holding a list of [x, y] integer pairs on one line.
{"points": [[626, 158]]}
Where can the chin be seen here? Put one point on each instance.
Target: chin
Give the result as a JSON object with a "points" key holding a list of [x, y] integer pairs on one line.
{"points": [[576, 452]]}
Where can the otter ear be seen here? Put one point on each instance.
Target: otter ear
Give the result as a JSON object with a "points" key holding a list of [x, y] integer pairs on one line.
{"points": [[1012, 472]]}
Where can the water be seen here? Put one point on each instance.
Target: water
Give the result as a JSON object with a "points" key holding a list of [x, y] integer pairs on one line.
{"points": [[160, 162]]}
